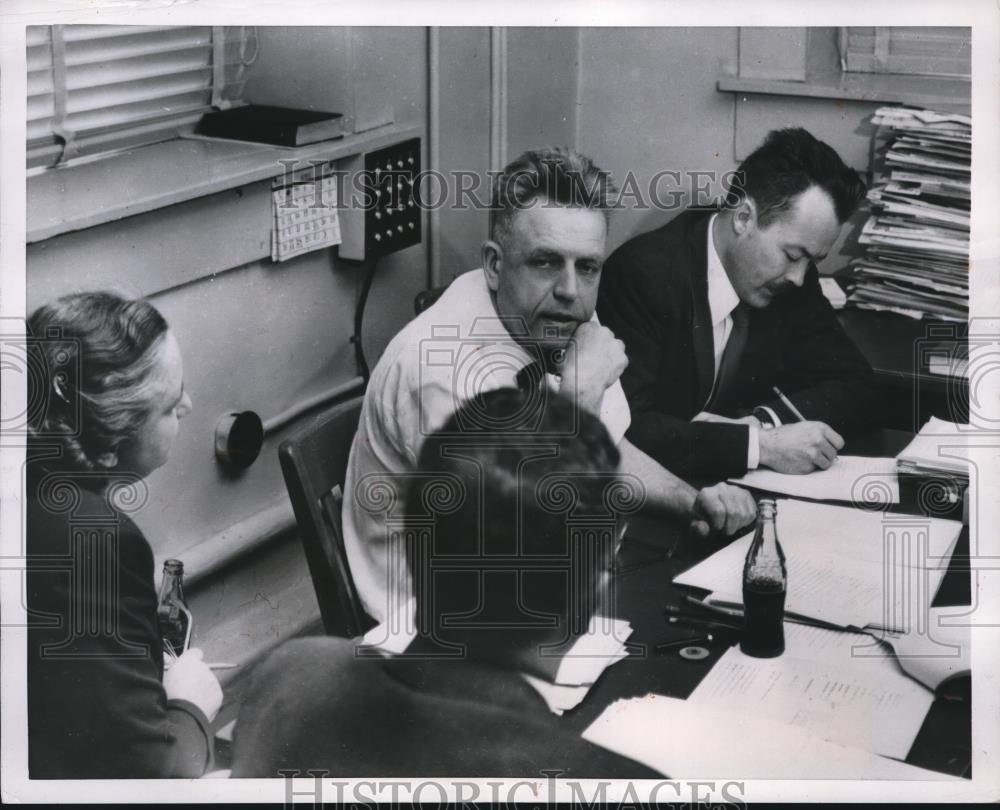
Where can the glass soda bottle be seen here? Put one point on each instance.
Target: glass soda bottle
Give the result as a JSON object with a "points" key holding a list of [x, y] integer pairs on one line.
{"points": [[172, 611], [765, 583]]}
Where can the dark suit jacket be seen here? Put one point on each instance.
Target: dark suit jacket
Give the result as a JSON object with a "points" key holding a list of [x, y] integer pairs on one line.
{"points": [[314, 705], [654, 297], [96, 705]]}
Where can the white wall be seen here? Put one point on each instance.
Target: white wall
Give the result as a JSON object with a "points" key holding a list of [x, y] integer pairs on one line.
{"points": [[540, 109], [648, 103]]}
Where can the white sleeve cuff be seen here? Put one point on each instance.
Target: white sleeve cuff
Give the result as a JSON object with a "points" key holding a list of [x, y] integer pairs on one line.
{"points": [[774, 417], [753, 448]]}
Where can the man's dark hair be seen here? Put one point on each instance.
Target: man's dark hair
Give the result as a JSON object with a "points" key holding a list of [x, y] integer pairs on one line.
{"points": [[786, 164], [557, 175], [480, 493]]}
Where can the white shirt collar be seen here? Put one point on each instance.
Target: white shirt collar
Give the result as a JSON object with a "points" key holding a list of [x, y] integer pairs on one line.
{"points": [[722, 298]]}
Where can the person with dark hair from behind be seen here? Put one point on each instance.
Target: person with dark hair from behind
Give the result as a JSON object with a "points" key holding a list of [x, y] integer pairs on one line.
{"points": [[716, 308], [491, 486], [107, 396]]}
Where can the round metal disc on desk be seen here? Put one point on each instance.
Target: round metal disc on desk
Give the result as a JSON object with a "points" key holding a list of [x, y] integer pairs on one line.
{"points": [[693, 653]]}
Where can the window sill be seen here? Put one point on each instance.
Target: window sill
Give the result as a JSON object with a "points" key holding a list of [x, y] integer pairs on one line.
{"points": [[923, 91], [147, 178]]}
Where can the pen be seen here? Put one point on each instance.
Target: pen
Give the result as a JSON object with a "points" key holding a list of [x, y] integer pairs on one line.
{"points": [[693, 623], [788, 404], [666, 645], [222, 666], [732, 613], [679, 614]]}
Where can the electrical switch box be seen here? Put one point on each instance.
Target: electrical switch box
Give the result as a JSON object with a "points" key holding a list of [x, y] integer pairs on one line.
{"points": [[380, 213]]}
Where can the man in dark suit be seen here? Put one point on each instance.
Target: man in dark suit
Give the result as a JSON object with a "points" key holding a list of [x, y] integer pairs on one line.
{"points": [[502, 585], [716, 308]]}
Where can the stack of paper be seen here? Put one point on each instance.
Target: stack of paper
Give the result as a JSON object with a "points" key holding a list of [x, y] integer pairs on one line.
{"points": [[846, 567], [684, 740], [917, 237], [939, 447]]}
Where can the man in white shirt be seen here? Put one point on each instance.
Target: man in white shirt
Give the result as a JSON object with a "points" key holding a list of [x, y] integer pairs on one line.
{"points": [[718, 309], [525, 319]]}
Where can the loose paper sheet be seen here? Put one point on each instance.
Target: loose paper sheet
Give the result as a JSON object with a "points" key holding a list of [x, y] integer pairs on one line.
{"points": [[687, 741], [840, 686], [856, 479]]}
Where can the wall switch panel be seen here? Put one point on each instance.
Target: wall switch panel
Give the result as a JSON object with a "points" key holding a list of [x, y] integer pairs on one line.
{"points": [[379, 210]]}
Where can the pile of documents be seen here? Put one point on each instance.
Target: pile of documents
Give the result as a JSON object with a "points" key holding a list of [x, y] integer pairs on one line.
{"points": [[939, 448], [916, 239], [935, 464]]}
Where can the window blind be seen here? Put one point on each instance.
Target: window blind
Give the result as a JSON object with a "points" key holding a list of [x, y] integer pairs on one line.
{"points": [[96, 88], [921, 51]]}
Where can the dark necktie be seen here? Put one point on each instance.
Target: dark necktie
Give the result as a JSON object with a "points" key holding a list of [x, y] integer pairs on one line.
{"points": [[729, 365]]}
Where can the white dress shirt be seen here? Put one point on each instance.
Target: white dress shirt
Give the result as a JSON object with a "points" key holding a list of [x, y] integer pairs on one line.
{"points": [[722, 300], [456, 349]]}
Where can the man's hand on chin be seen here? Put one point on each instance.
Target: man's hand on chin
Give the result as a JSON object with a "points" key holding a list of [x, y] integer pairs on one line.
{"points": [[594, 360]]}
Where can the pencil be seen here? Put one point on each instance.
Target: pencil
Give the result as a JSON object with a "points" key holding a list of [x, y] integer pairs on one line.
{"points": [[735, 612], [788, 404], [223, 666]]}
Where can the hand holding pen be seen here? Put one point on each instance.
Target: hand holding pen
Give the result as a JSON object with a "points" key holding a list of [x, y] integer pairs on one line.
{"points": [[800, 447]]}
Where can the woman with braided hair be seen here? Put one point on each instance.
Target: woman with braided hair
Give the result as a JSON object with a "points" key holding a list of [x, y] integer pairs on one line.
{"points": [[106, 396]]}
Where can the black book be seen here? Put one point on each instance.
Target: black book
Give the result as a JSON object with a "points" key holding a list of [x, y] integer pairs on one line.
{"points": [[281, 126]]}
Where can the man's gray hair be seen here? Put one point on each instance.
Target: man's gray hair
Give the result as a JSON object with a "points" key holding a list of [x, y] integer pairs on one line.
{"points": [[554, 175]]}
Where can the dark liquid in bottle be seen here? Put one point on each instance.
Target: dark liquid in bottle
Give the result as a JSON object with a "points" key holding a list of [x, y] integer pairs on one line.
{"points": [[764, 612], [173, 627]]}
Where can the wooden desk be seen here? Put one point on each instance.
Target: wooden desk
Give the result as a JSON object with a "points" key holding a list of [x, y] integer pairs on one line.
{"points": [[654, 552], [898, 349]]}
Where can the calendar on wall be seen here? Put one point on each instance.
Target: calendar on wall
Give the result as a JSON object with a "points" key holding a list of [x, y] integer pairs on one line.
{"points": [[305, 217]]}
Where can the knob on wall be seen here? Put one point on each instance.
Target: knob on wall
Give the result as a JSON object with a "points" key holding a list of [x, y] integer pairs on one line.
{"points": [[239, 438]]}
